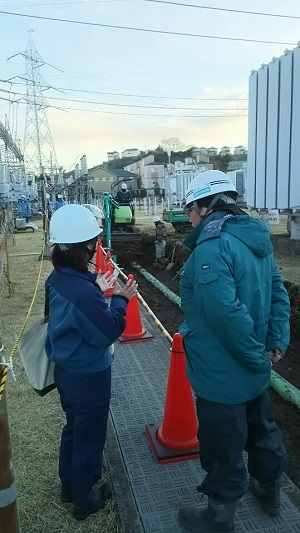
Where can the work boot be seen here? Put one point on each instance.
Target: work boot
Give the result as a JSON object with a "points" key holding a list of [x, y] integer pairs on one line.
{"points": [[268, 494], [100, 498], [216, 518]]}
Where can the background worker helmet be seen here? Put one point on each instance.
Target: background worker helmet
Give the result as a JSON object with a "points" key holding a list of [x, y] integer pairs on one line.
{"points": [[59, 196], [23, 196], [72, 224], [97, 212], [156, 219], [124, 187], [210, 183], [47, 196]]}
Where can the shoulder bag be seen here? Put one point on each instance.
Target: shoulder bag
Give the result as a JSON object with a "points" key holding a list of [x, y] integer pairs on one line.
{"points": [[39, 369]]}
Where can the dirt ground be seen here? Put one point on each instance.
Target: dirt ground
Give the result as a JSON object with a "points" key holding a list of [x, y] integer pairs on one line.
{"points": [[286, 414]]}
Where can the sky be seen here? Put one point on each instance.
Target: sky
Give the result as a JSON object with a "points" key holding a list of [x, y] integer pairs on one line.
{"points": [[158, 85]]}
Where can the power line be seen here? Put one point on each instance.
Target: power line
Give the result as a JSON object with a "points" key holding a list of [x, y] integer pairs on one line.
{"points": [[133, 114], [138, 95], [140, 106], [148, 30], [146, 106], [241, 11], [148, 114], [161, 97]]}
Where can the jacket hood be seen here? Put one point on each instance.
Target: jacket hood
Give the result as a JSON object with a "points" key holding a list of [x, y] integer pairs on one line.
{"points": [[253, 232]]}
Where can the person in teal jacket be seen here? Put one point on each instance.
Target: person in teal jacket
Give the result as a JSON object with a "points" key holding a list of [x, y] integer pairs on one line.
{"points": [[236, 327]]}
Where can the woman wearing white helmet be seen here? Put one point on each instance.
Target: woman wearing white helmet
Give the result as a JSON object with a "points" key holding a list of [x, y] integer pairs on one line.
{"points": [[236, 325], [81, 329]]}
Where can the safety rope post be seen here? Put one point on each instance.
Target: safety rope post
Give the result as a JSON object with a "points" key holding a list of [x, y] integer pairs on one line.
{"points": [[9, 516]]}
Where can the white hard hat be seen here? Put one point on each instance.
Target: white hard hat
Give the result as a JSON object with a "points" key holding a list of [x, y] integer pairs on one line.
{"points": [[208, 183], [124, 186], [95, 210], [23, 196], [47, 196], [73, 223], [59, 196], [156, 218]]}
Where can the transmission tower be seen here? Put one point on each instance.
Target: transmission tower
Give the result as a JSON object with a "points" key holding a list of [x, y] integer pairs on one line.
{"points": [[39, 151]]}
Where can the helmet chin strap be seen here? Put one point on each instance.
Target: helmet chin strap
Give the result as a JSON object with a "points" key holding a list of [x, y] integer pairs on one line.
{"points": [[90, 253], [220, 196], [64, 247]]}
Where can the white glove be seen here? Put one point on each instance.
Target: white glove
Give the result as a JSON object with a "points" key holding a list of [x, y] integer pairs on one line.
{"points": [[275, 356], [106, 281]]}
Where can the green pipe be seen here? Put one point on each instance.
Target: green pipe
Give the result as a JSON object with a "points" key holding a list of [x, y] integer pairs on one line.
{"points": [[160, 286], [286, 390]]}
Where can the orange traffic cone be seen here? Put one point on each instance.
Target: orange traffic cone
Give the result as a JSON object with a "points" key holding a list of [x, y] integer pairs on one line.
{"points": [[176, 438], [100, 260], [109, 267], [134, 332]]}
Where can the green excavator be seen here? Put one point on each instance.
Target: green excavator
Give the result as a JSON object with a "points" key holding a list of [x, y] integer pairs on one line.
{"points": [[119, 219]]}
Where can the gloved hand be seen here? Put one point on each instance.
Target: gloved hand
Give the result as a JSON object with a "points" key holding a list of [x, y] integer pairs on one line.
{"points": [[105, 281], [275, 355], [128, 291]]}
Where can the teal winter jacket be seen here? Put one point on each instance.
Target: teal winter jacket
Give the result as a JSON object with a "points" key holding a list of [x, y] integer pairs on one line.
{"points": [[235, 305]]}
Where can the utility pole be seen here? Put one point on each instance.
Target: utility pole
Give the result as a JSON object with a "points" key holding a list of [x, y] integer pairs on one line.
{"points": [[9, 517], [46, 252], [169, 152]]}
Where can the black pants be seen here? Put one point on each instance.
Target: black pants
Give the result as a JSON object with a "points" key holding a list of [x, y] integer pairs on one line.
{"points": [[224, 432]]}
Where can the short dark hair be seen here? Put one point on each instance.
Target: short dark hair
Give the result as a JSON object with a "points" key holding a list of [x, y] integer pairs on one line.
{"points": [[75, 257]]}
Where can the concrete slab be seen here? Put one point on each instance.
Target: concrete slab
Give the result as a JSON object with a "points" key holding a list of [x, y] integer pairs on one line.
{"points": [[148, 494]]}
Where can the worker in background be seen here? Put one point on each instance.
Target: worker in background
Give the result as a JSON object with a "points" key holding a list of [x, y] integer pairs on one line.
{"points": [[124, 196], [48, 207], [160, 243], [236, 327], [24, 208], [59, 202]]}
